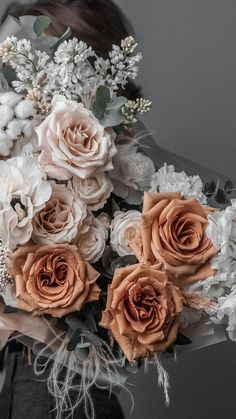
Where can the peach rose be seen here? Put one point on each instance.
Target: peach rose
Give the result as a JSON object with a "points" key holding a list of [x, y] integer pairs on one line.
{"points": [[52, 279], [173, 231], [142, 310], [74, 142]]}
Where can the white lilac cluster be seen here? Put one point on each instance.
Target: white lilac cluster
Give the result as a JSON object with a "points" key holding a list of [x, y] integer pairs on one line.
{"points": [[30, 65], [120, 66], [70, 73], [166, 179]]}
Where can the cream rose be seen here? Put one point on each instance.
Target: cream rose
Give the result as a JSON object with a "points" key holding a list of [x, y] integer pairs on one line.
{"points": [[60, 218], [74, 142], [124, 228], [91, 240], [94, 190]]}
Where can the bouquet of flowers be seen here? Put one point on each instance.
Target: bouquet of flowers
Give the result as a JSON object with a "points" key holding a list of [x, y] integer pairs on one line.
{"points": [[107, 262]]}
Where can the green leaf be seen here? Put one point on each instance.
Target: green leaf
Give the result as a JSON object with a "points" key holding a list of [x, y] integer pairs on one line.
{"points": [[10, 310], [41, 23], [66, 35], [74, 340], [114, 206], [75, 323], [95, 340], [8, 73], [113, 115], [229, 186], [103, 97]]}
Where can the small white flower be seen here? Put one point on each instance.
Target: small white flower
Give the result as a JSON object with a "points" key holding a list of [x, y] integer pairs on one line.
{"points": [[91, 240], [132, 173], [124, 228], [168, 180]]}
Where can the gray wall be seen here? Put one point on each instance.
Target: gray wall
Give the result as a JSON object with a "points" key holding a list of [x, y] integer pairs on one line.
{"points": [[189, 71]]}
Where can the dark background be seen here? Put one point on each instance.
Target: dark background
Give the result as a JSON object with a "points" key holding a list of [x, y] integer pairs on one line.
{"points": [[189, 71]]}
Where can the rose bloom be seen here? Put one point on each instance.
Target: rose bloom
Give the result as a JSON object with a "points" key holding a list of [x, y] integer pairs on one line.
{"points": [[124, 228], [60, 218], [52, 279], [173, 231], [91, 239], [94, 190], [142, 310], [74, 142]]}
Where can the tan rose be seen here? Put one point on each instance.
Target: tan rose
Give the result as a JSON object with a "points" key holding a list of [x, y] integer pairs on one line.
{"points": [[52, 279], [74, 142], [61, 217], [173, 231], [142, 310]]}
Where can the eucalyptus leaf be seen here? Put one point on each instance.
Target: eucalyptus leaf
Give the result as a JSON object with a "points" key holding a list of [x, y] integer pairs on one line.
{"points": [[8, 73], [66, 35], [82, 353], [75, 323], [40, 24], [83, 345], [113, 115], [114, 206], [74, 340], [123, 261], [95, 340], [103, 97]]}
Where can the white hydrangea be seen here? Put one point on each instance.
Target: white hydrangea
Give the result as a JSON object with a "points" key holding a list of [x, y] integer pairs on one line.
{"points": [[222, 229], [132, 173], [168, 180], [227, 310], [24, 191], [124, 228]]}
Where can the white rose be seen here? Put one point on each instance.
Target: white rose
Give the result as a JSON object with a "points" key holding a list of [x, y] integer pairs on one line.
{"points": [[124, 228], [24, 191], [132, 173], [166, 179], [60, 218], [222, 230], [91, 240], [74, 142], [94, 190]]}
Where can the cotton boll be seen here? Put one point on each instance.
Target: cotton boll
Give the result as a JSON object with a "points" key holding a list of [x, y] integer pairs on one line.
{"points": [[14, 129], [6, 115], [25, 109], [10, 99]]}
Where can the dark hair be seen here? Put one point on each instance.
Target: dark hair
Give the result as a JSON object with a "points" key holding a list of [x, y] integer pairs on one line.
{"points": [[99, 23]]}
